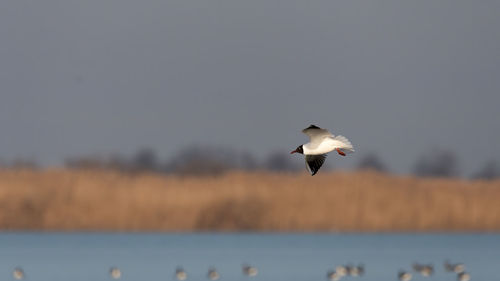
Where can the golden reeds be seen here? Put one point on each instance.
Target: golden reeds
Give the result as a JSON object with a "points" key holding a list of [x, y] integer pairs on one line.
{"points": [[238, 201]]}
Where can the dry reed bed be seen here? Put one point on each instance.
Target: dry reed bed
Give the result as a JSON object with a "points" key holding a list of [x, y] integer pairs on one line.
{"points": [[362, 201]]}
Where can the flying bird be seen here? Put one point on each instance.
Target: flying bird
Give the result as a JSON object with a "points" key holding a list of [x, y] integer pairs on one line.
{"points": [[321, 141]]}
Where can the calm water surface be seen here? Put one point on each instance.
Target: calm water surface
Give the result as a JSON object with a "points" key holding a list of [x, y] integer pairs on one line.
{"points": [[279, 257]]}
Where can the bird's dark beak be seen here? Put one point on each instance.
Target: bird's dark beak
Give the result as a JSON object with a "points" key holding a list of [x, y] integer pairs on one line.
{"points": [[295, 151]]}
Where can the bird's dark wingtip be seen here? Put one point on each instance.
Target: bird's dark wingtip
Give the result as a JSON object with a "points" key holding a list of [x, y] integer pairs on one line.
{"points": [[312, 126]]}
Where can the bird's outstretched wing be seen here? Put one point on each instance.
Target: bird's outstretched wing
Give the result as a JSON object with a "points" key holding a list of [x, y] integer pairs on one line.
{"points": [[316, 134], [314, 162]]}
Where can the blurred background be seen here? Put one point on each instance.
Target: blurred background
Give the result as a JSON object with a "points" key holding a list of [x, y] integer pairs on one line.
{"points": [[221, 90], [177, 117], [107, 79]]}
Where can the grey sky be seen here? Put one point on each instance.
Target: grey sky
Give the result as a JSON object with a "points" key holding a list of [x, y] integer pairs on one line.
{"points": [[111, 76]]}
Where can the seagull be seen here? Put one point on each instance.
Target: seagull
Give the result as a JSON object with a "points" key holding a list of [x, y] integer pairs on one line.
{"points": [[115, 272], [341, 270], [180, 274], [404, 276], [249, 270], [355, 270], [213, 274], [457, 267], [18, 273], [321, 141], [333, 275], [463, 276], [425, 270], [361, 269]]}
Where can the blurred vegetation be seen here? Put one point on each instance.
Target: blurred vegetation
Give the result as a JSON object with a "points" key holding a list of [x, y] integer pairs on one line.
{"points": [[490, 171], [196, 160], [437, 163], [20, 163], [206, 188], [280, 162], [372, 161], [206, 160], [191, 161], [82, 199]]}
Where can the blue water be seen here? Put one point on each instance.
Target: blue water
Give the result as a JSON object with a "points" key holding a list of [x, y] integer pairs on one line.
{"points": [[279, 257]]}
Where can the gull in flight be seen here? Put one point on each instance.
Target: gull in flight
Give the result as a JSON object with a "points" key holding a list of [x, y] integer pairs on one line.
{"points": [[321, 141]]}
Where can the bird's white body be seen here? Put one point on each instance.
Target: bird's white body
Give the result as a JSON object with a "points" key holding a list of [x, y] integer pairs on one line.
{"points": [[321, 141], [327, 144]]}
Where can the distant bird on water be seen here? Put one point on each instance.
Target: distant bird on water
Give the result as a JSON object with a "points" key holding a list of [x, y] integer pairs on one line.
{"points": [[115, 272], [249, 270], [213, 274], [321, 141], [355, 271], [404, 276], [18, 273], [333, 275], [425, 270], [341, 270], [463, 276], [180, 274], [457, 267]]}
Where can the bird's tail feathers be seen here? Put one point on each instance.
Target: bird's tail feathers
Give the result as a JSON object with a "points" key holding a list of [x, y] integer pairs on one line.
{"points": [[344, 144]]}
